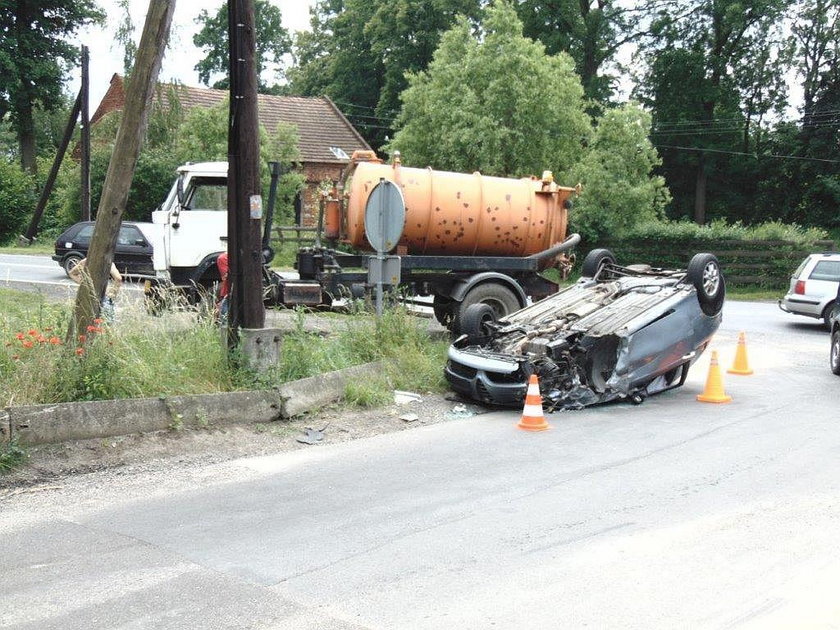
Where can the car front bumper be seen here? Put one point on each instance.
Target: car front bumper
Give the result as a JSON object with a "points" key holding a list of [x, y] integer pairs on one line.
{"points": [[487, 379]]}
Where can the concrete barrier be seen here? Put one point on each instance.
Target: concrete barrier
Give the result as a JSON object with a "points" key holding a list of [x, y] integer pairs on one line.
{"points": [[46, 424]]}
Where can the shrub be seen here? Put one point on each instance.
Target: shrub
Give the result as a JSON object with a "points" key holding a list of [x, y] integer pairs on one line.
{"points": [[17, 199]]}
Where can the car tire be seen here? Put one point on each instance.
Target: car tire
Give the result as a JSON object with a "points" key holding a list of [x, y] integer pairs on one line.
{"points": [[70, 261], [594, 260], [826, 316], [475, 320], [834, 358], [502, 300], [704, 273]]}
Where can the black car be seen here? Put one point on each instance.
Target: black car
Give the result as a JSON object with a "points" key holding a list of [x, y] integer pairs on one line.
{"points": [[618, 333], [132, 256]]}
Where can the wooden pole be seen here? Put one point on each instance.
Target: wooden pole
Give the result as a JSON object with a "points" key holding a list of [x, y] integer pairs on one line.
{"points": [[84, 123], [138, 97], [32, 230], [244, 200]]}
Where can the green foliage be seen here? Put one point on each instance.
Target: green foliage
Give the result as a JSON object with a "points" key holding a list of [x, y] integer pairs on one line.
{"points": [[359, 51], [722, 230], [17, 199], [36, 51], [12, 456], [182, 353], [272, 42], [618, 189], [493, 102]]}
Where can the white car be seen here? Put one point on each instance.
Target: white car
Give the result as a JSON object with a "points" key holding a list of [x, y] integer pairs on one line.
{"points": [[813, 287]]}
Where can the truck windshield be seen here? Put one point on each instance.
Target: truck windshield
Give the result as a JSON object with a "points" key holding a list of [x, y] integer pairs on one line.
{"points": [[207, 193]]}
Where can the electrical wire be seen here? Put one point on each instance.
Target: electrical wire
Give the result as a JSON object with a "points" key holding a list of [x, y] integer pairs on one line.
{"points": [[752, 155]]}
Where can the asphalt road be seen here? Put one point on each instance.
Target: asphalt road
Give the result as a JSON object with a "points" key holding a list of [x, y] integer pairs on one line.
{"points": [[670, 514]]}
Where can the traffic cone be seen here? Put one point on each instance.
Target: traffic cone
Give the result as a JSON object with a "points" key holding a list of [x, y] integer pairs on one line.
{"points": [[532, 414], [713, 392], [741, 366]]}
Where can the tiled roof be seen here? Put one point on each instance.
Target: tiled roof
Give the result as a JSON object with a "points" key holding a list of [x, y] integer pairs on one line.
{"points": [[320, 124]]}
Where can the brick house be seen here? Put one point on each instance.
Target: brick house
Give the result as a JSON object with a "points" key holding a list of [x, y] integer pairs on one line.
{"points": [[326, 138]]}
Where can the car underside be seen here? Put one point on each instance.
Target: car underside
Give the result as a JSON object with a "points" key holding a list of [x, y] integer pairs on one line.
{"points": [[621, 333]]}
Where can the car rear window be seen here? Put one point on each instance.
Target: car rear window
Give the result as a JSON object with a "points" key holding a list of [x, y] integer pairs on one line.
{"points": [[826, 270]]}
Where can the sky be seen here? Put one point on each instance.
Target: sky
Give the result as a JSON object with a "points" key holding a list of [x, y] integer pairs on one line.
{"points": [[181, 56]]}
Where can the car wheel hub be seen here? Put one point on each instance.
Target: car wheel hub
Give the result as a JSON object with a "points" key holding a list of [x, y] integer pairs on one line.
{"points": [[711, 279]]}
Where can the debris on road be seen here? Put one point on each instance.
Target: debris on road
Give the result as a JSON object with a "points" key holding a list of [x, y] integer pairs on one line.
{"points": [[312, 436], [409, 417], [404, 398]]}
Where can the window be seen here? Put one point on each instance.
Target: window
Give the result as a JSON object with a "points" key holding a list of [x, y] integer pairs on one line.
{"points": [[84, 235], [827, 270], [207, 193], [129, 235]]}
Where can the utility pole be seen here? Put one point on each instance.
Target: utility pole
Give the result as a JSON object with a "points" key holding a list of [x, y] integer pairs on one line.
{"points": [[244, 200], [85, 127], [138, 98]]}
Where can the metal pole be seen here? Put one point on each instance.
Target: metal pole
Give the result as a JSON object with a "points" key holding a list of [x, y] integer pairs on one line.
{"points": [[84, 123], [380, 255]]}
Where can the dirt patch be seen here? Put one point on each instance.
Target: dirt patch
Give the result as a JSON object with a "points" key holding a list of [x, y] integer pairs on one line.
{"points": [[189, 448]]}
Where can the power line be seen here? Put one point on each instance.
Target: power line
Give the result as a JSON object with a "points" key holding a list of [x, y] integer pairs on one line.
{"points": [[752, 155]]}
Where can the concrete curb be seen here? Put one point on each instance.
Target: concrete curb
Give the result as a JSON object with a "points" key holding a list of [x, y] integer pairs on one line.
{"points": [[48, 424]]}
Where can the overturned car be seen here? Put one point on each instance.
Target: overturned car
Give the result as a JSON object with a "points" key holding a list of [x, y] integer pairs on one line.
{"points": [[618, 333]]}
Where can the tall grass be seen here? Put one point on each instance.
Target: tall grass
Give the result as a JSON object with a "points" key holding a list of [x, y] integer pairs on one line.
{"points": [[183, 353]]}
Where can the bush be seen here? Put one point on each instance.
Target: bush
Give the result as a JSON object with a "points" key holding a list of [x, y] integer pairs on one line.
{"points": [[17, 200]]}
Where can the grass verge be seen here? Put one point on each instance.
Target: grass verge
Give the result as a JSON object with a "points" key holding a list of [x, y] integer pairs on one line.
{"points": [[182, 353]]}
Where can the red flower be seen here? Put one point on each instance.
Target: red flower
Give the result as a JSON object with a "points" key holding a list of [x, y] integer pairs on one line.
{"points": [[42, 339], [97, 321], [20, 336], [55, 341], [91, 328], [80, 351], [82, 338], [27, 344], [33, 333]]}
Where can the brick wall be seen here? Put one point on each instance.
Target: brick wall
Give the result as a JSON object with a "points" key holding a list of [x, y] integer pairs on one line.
{"points": [[315, 173]]}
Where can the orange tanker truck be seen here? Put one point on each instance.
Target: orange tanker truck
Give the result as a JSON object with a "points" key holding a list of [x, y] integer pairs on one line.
{"points": [[461, 238]]}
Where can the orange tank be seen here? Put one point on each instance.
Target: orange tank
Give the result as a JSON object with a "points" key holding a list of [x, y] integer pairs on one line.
{"points": [[459, 214]]}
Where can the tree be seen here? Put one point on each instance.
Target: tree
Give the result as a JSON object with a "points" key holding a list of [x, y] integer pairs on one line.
{"points": [[619, 190], [591, 31], [493, 102], [703, 56], [35, 54], [16, 199], [273, 42], [359, 51]]}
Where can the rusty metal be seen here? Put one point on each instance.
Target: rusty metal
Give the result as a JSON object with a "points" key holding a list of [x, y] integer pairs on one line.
{"points": [[461, 214]]}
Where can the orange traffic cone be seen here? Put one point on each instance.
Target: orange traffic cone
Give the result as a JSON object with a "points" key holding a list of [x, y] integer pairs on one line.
{"points": [[532, 414], [741, 366], [713, 392]]}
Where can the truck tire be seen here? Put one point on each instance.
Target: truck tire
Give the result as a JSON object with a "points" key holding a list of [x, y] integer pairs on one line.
{"points": [[474, 322], [594, 260], [498, 297], [704, 273]]}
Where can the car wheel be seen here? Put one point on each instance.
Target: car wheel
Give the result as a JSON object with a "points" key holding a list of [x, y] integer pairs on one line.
{"points": [[835, 352], [704, 273], [826, 316], [502, 300], [70, 261], [594, 261], [475, 320]]}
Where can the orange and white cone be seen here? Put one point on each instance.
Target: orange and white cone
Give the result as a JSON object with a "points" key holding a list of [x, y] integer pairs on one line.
{"points": [[713, 392], [741, 366], [532, 413]]}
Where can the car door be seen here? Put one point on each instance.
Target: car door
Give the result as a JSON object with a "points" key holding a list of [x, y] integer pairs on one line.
{"points": [[133, 252]]}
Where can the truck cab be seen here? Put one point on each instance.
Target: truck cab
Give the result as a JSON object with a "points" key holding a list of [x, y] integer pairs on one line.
{"points": [[193, 225]]}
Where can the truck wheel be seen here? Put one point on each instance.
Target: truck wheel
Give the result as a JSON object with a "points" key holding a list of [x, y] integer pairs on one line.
{"points": [[502, 300], [704, 273], [594, 260], [474, 322], [443, 309], [70, 261]]}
